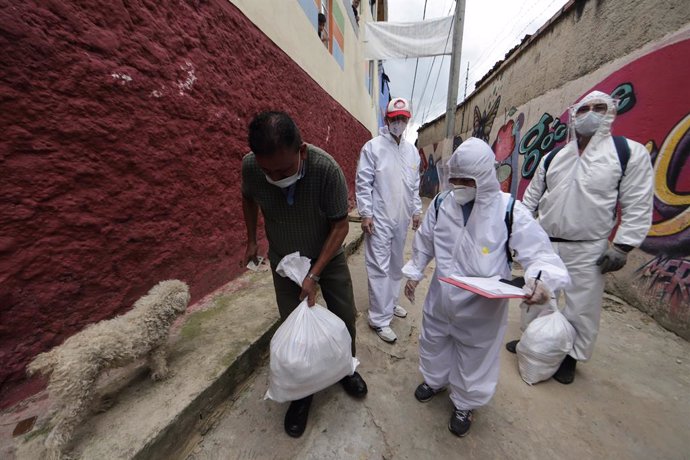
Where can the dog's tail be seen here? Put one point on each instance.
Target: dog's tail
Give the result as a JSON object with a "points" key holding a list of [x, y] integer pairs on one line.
{"points": [[43, 363]]}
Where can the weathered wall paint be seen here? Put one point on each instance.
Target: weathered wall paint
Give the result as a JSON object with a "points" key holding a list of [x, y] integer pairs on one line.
{"points": [[124, 125], [340, 68], [651, 84]]}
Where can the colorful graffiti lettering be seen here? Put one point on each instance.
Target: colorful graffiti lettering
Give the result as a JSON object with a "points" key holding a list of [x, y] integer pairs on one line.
{"points": [[670, 232], [625, 95], [668, 279], [483, 121], [540, 139]]}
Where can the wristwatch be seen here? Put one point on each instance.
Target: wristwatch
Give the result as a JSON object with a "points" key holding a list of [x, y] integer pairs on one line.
{"points": [[314, 277]]}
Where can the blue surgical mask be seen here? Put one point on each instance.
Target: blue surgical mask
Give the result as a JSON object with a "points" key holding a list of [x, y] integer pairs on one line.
{"points": [[287, 181]]}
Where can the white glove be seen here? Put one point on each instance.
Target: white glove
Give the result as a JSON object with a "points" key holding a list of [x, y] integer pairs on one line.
{"points": [[536, 291]]}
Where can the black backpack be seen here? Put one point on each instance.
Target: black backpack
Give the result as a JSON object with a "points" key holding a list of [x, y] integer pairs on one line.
{"points": [[508, 218], [622, 149]]}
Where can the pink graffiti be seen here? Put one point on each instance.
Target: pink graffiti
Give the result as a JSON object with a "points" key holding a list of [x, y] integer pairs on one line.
{"points": [[670, 279], [504, 144]]}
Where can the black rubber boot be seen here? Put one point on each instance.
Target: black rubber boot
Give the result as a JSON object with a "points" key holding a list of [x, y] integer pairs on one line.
{"points": [[296, 417], [512, 346], [566, 372]]}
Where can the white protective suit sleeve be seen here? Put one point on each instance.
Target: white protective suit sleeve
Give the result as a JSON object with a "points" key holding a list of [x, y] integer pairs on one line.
{"points": [[533, 250], [417, 199], [364, 182], [636, 194], [536, 188], [422, 247]]}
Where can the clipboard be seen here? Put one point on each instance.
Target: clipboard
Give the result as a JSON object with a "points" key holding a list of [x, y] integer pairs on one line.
{"points": [[491, 288]]}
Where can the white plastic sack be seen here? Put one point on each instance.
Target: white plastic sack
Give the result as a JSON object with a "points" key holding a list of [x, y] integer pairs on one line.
{"points": [[310, 351], [544, 345], [294, 266]]}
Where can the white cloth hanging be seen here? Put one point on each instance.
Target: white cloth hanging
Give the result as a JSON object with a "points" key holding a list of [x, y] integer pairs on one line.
{"points": [[391, 40]]}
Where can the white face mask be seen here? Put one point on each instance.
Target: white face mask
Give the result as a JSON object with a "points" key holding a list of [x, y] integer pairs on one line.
{"points": [[397, 127], [287, 181], [464, 194], [588, 123]]}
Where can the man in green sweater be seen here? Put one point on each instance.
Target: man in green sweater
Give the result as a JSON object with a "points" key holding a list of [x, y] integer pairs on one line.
{"points": [[302, 194]]}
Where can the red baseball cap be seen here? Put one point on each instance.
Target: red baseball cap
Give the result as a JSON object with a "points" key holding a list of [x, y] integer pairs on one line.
{"points": [[398, 106]]}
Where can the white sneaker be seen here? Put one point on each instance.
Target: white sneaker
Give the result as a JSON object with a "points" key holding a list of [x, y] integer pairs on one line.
{"points": [[399, 311], [385, 333]]}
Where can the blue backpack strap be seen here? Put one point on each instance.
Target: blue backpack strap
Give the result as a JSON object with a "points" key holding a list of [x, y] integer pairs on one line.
{"points": [[623, 151], [439, 199], [509, 226], [549, 159]]}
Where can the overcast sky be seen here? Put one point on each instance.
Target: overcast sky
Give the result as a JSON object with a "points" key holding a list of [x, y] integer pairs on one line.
{"points": [[491, 29]]}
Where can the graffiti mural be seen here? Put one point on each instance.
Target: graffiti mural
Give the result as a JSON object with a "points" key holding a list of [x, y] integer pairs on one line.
{"points": [[483, 121], [549, 133], [505, 147], [668, 280], [539, 140], [428, 182], [430, 162], [654, 110], [670, 232]]}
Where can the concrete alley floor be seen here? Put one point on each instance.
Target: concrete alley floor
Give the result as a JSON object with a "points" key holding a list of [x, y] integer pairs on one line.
{"points": [[631, 401]]}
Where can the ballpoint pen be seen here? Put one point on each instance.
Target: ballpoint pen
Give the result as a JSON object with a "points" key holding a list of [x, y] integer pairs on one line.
{"points": [[536, 280]]}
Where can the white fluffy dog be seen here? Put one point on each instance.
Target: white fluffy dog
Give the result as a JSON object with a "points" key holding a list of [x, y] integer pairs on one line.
{"points": [[75, 365]]}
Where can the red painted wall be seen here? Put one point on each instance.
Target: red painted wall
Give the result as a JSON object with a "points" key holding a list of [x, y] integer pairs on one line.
{"points": [[123, 127]]}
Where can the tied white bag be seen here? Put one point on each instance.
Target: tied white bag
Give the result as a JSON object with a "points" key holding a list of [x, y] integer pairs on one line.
{"points": [[311, 350], [544, 345]]}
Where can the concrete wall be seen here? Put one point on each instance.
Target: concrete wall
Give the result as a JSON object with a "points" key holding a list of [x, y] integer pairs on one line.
{"points": [[123, 128], [641, 58]]}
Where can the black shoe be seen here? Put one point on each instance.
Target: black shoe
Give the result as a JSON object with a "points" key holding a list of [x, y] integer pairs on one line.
{"points": [[566, 372], [424, 392], [296, 417], [354, 385], [512, 346], [460, 422]]}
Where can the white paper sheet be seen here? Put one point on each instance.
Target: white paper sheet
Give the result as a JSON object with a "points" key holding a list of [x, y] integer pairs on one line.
{"points": [[490, 285]]}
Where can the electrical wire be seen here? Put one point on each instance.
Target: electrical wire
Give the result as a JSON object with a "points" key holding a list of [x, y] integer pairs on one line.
{"points": [[414, 79], [439, 67], [477, 68]]}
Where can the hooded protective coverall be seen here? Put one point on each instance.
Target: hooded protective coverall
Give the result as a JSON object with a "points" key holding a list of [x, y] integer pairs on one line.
{"points": [[387, 189], [462, 332], [578, 211]]}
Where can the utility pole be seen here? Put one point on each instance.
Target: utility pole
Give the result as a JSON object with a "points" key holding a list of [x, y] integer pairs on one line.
{"points": [[453, 83], [467, 77]]}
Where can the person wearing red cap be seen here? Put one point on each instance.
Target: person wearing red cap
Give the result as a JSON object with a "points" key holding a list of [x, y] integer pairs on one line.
{"points": [[387, 190]]}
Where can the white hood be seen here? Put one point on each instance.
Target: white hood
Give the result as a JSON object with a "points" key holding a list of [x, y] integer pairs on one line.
{"points": [[595, 97], [474, 159]]}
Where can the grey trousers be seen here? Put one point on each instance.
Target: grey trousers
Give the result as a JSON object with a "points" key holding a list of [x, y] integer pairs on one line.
{"points": [[336, 286]]}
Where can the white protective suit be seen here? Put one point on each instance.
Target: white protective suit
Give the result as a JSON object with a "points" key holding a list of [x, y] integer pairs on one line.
{"points": [[387, 189], [579, 206], [462, 333]]}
